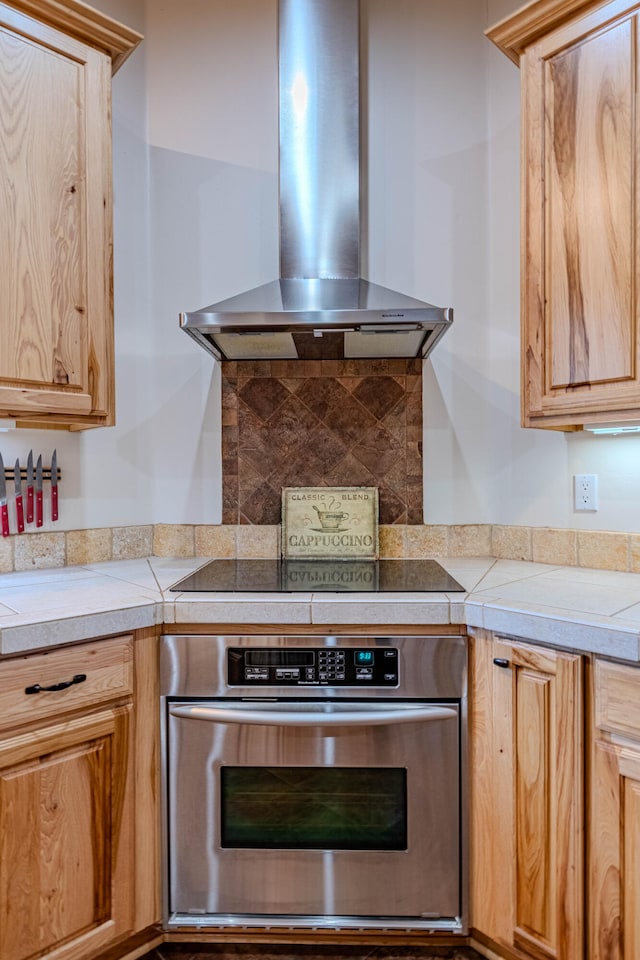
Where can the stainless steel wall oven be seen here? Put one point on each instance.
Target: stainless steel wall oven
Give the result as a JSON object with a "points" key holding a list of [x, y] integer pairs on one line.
{"points": [[314, 781]]}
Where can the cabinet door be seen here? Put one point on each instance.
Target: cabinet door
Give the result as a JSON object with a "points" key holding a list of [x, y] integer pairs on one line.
{"points": [[527, 798], [65, 838], [614, 815], [580, 304], [56, 323]]}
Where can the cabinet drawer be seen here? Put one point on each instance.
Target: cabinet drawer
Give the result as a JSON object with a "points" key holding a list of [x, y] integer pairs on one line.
{"points": [[106, 665], [618, 698]]}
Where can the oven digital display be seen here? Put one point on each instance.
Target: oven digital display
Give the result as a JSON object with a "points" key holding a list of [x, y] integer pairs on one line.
{"points": [[279, 658], [364, 658], [314, 808]]}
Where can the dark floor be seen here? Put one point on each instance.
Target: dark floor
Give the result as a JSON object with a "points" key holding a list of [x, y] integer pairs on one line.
{"points": [[254, 951]]}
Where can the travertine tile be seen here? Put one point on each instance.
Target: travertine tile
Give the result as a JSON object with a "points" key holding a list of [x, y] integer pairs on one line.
{"points": [[173, 540], [510, 543], [555, 546], [634, 552], [39, 550], [391, 541], [215, 541], [562, 547], [88, 546], [606, 551], [6, 554], [470, 540], [132, 543], [258, 542], [431, 540]]}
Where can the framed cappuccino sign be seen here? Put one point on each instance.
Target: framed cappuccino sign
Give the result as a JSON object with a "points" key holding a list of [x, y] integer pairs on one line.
{"points": [[330, 523]]}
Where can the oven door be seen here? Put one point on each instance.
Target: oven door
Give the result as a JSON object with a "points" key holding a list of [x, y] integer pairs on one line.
{"points": [[314, 810]]}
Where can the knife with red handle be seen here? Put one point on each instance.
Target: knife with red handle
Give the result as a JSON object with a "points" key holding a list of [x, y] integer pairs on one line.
{"points": [[17, 479], [4, 512], [54, 485], [30, 487], [39, 512]]}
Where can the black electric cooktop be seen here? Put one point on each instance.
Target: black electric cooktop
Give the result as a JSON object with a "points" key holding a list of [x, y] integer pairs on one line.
{"points": [[312, 576]]}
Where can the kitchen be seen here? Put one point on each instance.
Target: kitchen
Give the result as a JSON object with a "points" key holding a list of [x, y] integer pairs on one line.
{"points": [[461, 172], [480, 468]]}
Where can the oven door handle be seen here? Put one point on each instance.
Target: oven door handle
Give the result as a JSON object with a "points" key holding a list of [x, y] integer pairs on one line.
{"points": [[339, 716]]}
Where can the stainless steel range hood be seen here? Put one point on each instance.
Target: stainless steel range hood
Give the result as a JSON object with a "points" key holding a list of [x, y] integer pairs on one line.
{"points": [[320, 308]]}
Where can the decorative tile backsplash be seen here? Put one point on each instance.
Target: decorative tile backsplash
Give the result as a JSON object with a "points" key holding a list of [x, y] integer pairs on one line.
{"points": [[316, 423], [596, 549]]}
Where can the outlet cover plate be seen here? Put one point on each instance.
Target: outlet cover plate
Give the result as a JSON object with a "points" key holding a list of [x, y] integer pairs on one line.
{"points": [[585, 492]]}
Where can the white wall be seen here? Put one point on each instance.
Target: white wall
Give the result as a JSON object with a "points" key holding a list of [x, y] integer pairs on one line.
{"points": [[161, 462], [195, 170]]}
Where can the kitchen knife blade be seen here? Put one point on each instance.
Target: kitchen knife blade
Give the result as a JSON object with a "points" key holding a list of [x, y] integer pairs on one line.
{"points": [[54, 485], [17, 479], [39, 491], [30, 487], [4, 513]]}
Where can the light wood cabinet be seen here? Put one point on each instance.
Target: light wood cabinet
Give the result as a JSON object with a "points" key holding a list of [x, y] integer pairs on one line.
{"points": [[613, 896], [527, 823], [56, 308], [579, 252], [67, 836]]}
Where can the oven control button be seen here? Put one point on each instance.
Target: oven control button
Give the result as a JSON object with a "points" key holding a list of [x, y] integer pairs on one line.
{"points": [[256, 673], [364, 673], [293, 674], [391, 677]]}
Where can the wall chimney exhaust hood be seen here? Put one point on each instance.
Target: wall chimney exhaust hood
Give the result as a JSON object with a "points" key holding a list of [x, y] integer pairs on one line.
{"points": [[320, 308]]}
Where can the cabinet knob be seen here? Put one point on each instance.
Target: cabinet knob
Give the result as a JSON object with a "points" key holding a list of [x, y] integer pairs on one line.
{"points": [[501, 662]]}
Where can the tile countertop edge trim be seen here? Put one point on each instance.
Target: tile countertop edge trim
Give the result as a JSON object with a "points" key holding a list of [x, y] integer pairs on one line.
{"points": [[189, 611], [58, 631], [392, 612], [578, 632]]}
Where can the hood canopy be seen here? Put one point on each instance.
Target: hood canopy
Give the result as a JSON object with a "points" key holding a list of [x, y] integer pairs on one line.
{"points": [[320, 308]]}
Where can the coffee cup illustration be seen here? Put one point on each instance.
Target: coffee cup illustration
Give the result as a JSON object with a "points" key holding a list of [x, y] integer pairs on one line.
{"points": [[331, 519]]}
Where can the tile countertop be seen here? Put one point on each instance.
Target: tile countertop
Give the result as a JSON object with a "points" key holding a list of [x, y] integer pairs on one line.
{"points": [[571, 607]]}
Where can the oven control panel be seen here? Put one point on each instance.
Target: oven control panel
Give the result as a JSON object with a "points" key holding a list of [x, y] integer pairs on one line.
{"points": [[316, 666]]}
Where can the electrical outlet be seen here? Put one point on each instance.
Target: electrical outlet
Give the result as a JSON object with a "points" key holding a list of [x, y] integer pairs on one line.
{"points": [[585, 491]]}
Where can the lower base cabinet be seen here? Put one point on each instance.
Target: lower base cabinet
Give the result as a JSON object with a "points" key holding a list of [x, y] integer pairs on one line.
{"points": [[64, 849], [527, 825], [66, 801], [613, 895], [555, 801]]}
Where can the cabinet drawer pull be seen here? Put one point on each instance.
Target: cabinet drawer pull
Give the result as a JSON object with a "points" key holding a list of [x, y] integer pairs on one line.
{"points": [[501, 662], [36, 688]]}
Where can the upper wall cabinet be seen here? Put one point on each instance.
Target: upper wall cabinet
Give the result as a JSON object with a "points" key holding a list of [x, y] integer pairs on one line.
{"points": [[56, 262], [579, 255]]}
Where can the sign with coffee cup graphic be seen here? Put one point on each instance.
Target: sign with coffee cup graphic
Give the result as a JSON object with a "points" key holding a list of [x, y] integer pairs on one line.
{"points": [[335, 523]]}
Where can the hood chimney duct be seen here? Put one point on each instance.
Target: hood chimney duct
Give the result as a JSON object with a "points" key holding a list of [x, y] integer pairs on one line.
{"points": [[320, 308]]}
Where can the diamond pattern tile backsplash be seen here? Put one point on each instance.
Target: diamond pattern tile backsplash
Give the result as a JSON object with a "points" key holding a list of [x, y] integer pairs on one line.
{"points": [[307, 423]]}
